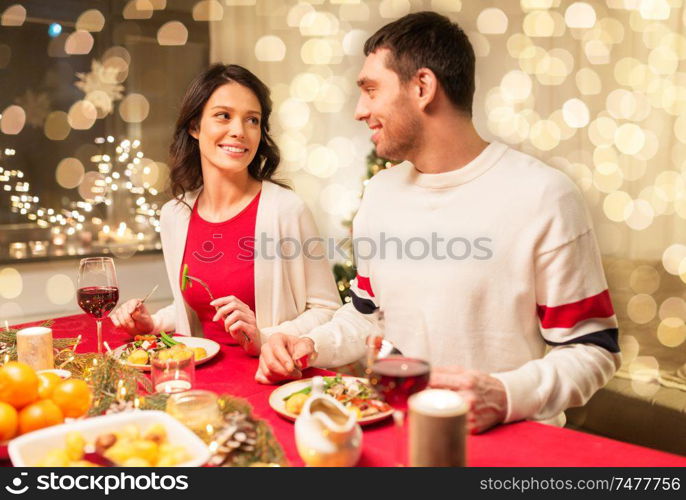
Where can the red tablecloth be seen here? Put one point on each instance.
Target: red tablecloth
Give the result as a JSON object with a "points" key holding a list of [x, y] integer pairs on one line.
{"points": [[514, 445]]}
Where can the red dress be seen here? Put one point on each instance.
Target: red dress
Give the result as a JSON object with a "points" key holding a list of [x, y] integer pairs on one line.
{"points": [[221, 254]]}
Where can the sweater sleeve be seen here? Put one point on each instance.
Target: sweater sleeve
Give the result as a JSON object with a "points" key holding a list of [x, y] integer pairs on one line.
{"points": [[343, 339], [322, 298], [577, 321], [164, 319]]}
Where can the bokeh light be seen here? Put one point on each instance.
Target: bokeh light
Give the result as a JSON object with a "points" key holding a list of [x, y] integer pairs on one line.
{"points": [[671, 332], [82, 115], [11, 283], [134, 108], [270, 48], [78, 43], [60, 289], [13, 120], [91, 20], [492, 21], [14, 15], [172, 33], [672, 258], [69, 173], [138, 9], [56, 127], [208, 10], [393, 9], [641, 308], [580, 15]]}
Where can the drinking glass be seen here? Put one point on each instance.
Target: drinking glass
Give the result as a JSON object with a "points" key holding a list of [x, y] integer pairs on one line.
{"points": [[198, 410], [171, 375], [98, 292], [398, 365]]}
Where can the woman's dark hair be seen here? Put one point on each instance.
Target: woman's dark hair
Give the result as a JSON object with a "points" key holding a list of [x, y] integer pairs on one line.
{"points": [[184, 152], [429, 40]]}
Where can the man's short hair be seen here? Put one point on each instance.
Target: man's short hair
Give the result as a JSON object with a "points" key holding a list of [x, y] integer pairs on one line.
{"points": [[429, 40]]}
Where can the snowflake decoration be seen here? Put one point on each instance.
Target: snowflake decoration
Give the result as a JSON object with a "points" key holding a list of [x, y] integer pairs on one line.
{"points": [[36, 105], [101, 86]]}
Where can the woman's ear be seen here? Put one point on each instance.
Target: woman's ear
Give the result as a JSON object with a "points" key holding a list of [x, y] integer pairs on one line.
{"points": [[426, 85], [193, 130]]}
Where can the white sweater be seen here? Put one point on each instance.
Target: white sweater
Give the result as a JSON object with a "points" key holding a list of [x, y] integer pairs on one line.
{"points": [[516, 273], [292, 295]]}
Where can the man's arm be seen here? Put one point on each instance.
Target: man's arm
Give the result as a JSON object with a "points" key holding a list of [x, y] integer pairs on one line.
{"points": [[577, 320], [335, 343]]}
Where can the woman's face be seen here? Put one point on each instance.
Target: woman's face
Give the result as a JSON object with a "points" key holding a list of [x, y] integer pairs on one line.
{"points": [[229, 130]]}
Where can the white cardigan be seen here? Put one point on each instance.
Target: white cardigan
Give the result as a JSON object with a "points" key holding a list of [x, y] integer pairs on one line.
{"points": [[292, 295]]}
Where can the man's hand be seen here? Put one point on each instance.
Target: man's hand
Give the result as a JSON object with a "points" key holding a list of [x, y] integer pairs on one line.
{"points": [[485, 395], [283, 357]]}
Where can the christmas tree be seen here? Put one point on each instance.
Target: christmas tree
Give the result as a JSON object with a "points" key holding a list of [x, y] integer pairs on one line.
{"points": [[345, 271]]}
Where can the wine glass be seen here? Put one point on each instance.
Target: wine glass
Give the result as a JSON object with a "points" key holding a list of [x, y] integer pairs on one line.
{"points": [[398, 365], [98, 292]]}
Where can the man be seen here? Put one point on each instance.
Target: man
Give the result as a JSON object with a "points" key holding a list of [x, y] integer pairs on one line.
{"points": [[512, 299]]}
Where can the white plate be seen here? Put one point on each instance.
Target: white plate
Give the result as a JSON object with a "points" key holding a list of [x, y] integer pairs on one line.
{"points": [[29, 449], [210, 346], [279, 405]]}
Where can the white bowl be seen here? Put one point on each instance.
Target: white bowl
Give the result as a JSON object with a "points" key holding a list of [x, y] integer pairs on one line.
{"points": [[31, 448]]}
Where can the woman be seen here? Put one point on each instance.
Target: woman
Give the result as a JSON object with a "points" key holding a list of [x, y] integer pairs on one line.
{"points": [[227, 223]]}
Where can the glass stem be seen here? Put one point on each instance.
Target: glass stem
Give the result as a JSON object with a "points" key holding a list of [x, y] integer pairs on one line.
{"points": [[99, 330], [399, 420]]}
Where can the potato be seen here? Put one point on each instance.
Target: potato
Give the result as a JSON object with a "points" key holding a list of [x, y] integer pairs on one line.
{"points": [[295, 403], [181, 354], [147, 450], [138, 357], [55, 458], [75, 444], [136, 462], [164, 355], [199, 353], [120, 452], [156, 433]]}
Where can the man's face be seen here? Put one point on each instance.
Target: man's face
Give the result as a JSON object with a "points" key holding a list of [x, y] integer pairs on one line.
{"points": [[388, 108]]}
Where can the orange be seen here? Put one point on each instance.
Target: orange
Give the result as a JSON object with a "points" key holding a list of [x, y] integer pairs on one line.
{"points": [[47, 383], [42, 413], [18, 384], [8, 421], [73, 396]]}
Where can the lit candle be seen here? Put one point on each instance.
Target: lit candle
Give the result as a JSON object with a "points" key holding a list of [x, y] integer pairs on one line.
{"points": [[437, 429], [17, 250], [34, 347]]}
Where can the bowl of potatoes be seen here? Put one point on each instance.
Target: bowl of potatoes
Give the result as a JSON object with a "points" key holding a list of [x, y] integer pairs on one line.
{"points": [[131, 439]]}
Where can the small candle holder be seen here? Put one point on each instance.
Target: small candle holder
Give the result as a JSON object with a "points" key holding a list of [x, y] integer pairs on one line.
{"points": [[17, 250], [172, 375], [38, 248], [438, 423], [198, 410], [34, 347]]}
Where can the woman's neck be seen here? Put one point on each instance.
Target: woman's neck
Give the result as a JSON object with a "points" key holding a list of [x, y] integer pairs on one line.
{"points": [[224, 196]]}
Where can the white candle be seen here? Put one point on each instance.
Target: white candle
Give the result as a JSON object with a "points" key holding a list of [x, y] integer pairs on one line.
{"points": [[437, 435], [34, 347]]}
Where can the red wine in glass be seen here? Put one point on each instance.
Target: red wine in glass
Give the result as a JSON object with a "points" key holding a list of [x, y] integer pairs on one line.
{"points": [[98, 301], [396, 378], [98, 291]]}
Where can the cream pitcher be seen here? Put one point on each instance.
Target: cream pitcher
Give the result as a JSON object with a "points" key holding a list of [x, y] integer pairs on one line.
{"points": [[326, 433]]}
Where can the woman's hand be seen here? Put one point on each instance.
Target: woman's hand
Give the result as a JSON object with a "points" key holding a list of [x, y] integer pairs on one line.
{"points": [[133, 317], [239, 322]]}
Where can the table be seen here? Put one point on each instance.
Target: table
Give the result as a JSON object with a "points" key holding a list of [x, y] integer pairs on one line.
{"points": [[521, 444]]}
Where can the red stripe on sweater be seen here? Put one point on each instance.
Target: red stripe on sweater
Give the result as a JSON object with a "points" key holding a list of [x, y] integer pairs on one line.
{"points": [[364, 284], [568, 315]]}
